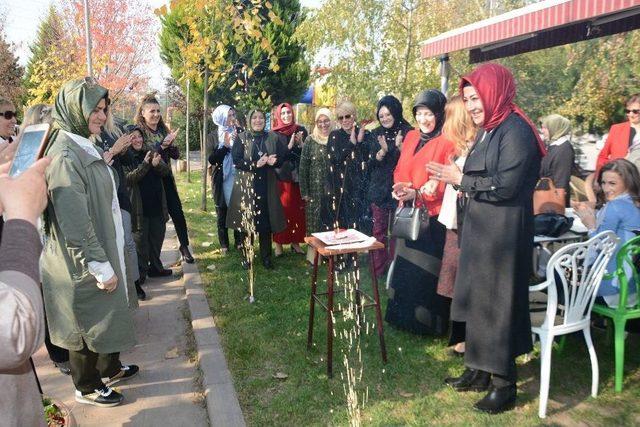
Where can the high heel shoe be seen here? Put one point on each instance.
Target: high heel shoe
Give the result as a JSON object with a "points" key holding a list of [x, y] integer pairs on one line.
{"points": [[186, 255]]}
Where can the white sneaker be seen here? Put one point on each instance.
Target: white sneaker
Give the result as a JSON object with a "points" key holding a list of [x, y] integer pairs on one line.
{"points": [[104, 397]]}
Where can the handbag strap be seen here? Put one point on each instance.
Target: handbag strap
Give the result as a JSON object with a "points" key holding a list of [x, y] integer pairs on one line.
{"points": [[417, 202]]}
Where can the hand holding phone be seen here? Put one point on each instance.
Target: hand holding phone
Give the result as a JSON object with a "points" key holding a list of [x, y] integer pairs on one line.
{"points": [[25, 196], [30, 147]]}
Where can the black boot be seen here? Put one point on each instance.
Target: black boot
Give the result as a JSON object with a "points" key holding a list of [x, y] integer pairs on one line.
{"points": [[470, 380], [498, 399], [186, 255], [142, 295], [266, 263]]}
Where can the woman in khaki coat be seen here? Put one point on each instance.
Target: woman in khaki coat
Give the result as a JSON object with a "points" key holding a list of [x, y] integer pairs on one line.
{"points": [[83, 269]]}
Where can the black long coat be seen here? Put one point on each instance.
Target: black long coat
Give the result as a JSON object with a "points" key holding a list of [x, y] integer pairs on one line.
{"points": [[496, 244], [346, 180]]}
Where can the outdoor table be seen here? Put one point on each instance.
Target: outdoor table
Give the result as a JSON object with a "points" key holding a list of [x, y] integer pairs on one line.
{"points": [[544, 243], [331, 254]]}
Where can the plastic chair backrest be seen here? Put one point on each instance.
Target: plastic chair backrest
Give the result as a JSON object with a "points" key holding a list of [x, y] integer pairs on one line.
{"points": [[628, 256], [578, 267]]}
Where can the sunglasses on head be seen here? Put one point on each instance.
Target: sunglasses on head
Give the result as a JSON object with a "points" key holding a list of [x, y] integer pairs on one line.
{"points": [[634, 111], [8, 115], [345, 117]]}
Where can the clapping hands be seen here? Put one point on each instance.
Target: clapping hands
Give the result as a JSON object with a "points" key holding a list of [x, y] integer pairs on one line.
{"points": [[168, 140]]}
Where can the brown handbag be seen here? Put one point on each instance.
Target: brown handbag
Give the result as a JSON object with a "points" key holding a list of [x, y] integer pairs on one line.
{"points": [[547, 198]]}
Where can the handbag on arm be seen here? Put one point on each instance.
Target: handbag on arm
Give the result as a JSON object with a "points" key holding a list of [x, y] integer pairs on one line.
{"points": [[547, 198], [410, 221]]}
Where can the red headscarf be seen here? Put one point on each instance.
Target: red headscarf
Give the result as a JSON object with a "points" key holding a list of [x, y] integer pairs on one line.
{"points": [[280, 126], [496, 88]]}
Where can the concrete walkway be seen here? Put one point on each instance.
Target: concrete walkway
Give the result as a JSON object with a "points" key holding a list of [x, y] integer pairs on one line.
{"points": [[165, 392]]}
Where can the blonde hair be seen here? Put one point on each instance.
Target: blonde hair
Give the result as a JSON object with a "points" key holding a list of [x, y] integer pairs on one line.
{"points": [[36, 114], [344, 108], [110, 126], [458, 126]]}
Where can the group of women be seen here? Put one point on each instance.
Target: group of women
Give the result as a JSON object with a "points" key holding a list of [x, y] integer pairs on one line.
{"points": [[471, 164], [111, 191], [350, 177]]}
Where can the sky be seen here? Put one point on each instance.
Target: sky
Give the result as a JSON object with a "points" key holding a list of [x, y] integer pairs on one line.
{"points": [[23, 17]]}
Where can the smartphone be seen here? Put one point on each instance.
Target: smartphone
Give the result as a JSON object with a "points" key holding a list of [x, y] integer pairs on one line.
{"points": [[31, 145]]}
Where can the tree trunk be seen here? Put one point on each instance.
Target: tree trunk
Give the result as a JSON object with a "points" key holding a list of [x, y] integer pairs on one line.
{"points": [[203, 139]]}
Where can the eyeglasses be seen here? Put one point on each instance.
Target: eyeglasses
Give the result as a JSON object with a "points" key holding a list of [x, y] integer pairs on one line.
{"points": [[345, 117], [8, 115], [634, 111]]}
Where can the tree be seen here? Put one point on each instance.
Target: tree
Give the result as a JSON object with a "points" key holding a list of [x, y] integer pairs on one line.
{"points": [[606, 73], [121, 35], [372, 47], [10, 71], [248, 47], [54, 60]]}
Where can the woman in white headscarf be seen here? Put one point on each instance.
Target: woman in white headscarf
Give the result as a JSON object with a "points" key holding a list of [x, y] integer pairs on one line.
{"points": [[224, 117], [314, 166]]}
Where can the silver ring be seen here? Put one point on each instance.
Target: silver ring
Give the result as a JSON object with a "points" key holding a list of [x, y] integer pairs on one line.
{"points": [[439, 175]]}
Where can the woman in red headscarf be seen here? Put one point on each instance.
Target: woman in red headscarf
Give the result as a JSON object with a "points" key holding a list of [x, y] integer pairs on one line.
{"points": [[496, 237], [292, 136]]}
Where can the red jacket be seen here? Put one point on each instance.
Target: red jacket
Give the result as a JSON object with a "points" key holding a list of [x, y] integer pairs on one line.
{"points": [[616, 145], [413, 167]]}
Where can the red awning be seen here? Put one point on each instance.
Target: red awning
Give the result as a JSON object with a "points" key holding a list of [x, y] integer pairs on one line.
{"points": [[537, 26]]}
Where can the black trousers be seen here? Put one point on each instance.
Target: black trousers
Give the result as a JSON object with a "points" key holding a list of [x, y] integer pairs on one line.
{"points": [[223, 231], [149, 244], [56, 354], [174, 206], [88, 368], [264, 240]]}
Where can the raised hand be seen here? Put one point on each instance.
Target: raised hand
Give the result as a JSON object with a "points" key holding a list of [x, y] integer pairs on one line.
{"points": [[121, 144], [107, 156], [383, 143], [292, 141], [272, 159], [429, 188], [25, 196], [450, 173], [156, 159], [7, 152], [262, 161], [361, 134], [148, 156], [168, 140], [352, 137]]}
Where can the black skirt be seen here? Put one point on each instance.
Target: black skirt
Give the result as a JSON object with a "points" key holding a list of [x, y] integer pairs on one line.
{"points": [[414, 305]]}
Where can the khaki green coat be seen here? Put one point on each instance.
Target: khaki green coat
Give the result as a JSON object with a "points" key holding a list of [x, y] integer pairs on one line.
{"points": [[80, 228]]}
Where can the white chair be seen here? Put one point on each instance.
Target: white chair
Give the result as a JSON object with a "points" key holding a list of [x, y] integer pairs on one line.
{"points": [[576, 270]]}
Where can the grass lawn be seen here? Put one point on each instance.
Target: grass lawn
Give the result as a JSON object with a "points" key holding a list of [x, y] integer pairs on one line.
{"points": [[269, 337]]}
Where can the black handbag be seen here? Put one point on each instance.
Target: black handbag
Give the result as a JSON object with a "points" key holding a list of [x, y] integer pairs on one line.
{"points": [[409, 222], [550, 224]]}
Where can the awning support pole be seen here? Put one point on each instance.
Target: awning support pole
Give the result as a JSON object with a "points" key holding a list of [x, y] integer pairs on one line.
{"points": [[444, 73]]}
